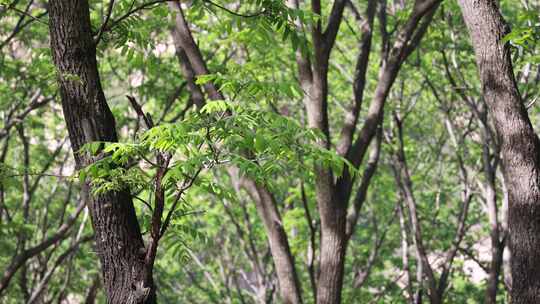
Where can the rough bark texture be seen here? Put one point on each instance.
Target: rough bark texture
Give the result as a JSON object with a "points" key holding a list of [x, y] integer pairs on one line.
{"points": [[332, 211], [119, 244], [520, 147]]}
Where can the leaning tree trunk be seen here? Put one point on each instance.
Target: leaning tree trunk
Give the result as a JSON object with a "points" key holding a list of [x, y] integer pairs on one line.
{"points": [[289, 285], [520, 147], [119, 243]]}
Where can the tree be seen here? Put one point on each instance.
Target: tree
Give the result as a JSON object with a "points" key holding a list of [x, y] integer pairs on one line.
{"points": [[88, 118], [267, 151], [332, 197], [520, 146]]}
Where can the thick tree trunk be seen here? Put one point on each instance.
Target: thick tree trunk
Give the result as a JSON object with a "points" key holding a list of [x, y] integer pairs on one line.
{"points": [[333, 248], [520, 147], [119, 243], [332, 206]]}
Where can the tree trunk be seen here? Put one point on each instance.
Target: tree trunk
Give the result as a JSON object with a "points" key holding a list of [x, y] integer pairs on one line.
{"points": [[332, 205], [92, 292], [289, 285], [183, 38], [520, 147], [497, 245], [333, 249], [119, 243], [194, 66]]}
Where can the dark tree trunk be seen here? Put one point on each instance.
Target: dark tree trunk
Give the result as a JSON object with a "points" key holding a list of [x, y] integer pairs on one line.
{"points": [[520, 147], [119, 243]]}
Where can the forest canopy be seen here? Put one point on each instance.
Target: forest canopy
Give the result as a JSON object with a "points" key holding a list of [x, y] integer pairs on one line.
{"points": [[266, 151]]}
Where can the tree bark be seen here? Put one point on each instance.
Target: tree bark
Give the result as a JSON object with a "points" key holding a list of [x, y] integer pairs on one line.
{"points": [[119, 243], [183, 38], [289, 285], [520, 147], [333, 197]]}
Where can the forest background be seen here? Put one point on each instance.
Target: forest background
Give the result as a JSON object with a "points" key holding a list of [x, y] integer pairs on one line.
{"points": [[253, 152]]}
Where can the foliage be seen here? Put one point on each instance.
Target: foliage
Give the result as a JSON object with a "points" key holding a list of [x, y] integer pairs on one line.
{"points": [[216, 248]]}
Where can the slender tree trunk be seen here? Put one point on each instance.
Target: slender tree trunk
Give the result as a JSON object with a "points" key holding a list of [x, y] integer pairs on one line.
{"points": [[506, 271], [497, 245], [289, 286], [333, 196], [497, 250], [520, 147], [405, 253], [403, 180], [196, 95], [119, 243], [332, 206], [183, 38], [91, 294]]}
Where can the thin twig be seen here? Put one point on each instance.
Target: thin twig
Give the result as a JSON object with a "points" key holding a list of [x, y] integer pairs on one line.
{"points": [[235, 13], [102, 29], [25, 14], [532, 103], [177, 199], [131, 12], [144, 202]]}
